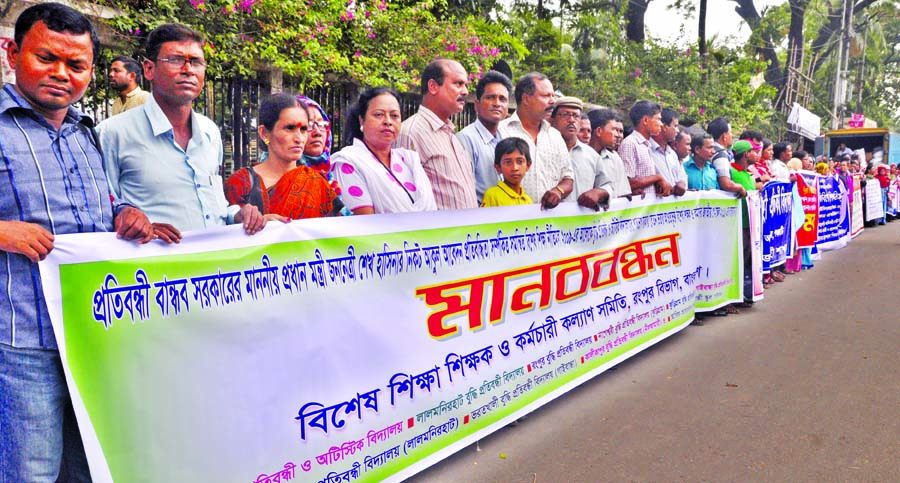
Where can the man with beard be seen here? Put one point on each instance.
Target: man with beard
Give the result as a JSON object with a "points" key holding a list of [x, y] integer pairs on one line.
{"points": [[123, 76], [480, 138], [550, 178], [430, 133], [586, 163]]}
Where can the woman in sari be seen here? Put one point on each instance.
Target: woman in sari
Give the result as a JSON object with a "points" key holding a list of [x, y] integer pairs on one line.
{"points": [[277, 186]]}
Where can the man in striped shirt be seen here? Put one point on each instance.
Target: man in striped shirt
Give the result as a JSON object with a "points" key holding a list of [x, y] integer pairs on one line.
{"points": [[430, 133], [51, 183]]}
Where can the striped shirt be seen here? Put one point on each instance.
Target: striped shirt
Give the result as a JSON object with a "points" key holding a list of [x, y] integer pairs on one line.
{"points": [[53, 178], [636, 154], [550, 162], [446, 162]]}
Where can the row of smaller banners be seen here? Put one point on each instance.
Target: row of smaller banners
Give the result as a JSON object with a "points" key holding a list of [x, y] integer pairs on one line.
{"points": [[369, 348]]}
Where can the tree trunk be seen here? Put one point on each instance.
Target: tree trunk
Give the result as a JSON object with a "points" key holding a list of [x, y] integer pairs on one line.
{"points": [[747, 10], [701, 33], [793, 64], [634, 15]]}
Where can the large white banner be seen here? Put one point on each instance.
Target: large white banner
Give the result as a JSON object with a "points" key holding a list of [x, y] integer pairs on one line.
{"points": [[874, 201], [366, 348]]}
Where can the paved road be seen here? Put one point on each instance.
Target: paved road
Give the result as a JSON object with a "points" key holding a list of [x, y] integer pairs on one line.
{"points": [[802, 387]]}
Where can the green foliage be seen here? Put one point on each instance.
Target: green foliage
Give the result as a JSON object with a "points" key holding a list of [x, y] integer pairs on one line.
{"points": [[594, 61], [376, 43]]}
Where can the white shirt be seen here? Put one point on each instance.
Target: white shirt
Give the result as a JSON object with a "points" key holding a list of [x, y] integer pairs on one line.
{"points": [[549, 156]]}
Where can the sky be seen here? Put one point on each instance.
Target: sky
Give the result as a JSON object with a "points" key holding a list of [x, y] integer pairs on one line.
{"points": [[721, 21]]}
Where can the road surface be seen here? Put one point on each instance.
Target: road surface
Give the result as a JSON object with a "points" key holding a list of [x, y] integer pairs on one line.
{"points": [[804, 386]]}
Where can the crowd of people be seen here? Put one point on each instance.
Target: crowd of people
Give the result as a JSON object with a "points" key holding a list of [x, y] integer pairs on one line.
{"points": [[152, 171]]}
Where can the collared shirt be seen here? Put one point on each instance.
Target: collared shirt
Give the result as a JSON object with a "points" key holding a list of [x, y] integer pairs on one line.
{"points": [[148, 169], [638, 158], [444, 158], [53, 178], [667, 164], [135, 98], [589, 171], [549, 156], [701, 179], [722, 160], [615, 169], [502, 195], [480, 144], [779, 170]]}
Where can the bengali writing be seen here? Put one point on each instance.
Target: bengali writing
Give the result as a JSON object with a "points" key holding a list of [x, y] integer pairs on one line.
{"points": [[174, 296], [285, 474], [778, 199], [551, 281], [455, 367]]}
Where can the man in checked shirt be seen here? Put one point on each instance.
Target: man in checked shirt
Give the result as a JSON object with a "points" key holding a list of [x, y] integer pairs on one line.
{"points": [[636, 150]]}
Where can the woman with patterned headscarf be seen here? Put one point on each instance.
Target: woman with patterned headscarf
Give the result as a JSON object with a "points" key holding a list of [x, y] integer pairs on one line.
{"points": [[317, 153]]}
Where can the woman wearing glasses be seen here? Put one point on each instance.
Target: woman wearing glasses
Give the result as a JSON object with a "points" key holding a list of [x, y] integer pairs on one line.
{"points": [[317, 153], [280, 188], [375, 177]]}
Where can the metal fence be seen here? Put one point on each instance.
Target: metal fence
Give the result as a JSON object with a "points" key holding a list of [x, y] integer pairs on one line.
{"points": [[233, 104]]}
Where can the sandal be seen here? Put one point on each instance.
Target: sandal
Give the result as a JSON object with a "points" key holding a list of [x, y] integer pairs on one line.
{"points": [[719, 312], [732, 310]]}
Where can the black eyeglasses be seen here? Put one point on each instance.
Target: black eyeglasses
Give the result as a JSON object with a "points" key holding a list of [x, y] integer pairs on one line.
{"points": [[178, 62], [319, 125]]}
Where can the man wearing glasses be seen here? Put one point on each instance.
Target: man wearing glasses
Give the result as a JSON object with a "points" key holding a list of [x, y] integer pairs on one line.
{"points": [[592, 185], [165, 158]]}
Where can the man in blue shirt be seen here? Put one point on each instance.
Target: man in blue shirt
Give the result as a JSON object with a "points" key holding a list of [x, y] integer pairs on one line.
{"points": [[164, 158], [481, 137], [700, 172], [51, 183]]}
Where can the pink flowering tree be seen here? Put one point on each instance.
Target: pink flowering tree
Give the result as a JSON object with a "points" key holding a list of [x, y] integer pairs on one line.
{"points": [[376, 42]]}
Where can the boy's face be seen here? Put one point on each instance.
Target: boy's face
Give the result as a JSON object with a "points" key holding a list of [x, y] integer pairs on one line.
{"points": [[513, 167]]}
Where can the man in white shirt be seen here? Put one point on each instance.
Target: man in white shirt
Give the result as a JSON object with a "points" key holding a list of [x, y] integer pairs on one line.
{"points": [[550, 178]]}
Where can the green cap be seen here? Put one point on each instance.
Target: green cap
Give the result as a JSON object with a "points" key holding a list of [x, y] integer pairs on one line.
{"points": [[741, 146]]}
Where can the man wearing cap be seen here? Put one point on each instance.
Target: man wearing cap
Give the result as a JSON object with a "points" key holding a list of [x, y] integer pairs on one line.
{"points": [[550, 178], [586, 163], [738, 174]]}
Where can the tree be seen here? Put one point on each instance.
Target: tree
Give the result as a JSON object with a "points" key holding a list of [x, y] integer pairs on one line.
{"points": [[369, 43]]}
